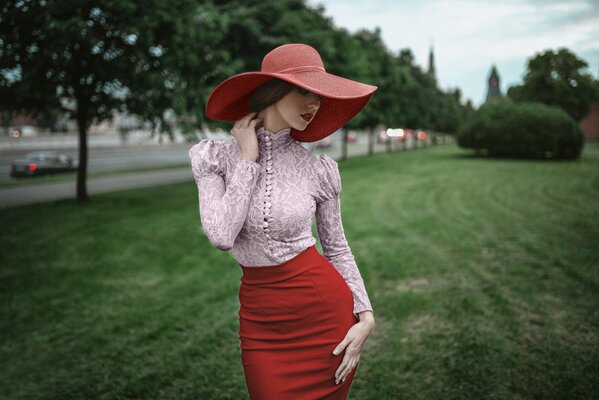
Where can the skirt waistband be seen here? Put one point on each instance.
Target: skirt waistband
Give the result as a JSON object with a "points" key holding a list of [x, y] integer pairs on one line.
{"points": [[280, 272]]}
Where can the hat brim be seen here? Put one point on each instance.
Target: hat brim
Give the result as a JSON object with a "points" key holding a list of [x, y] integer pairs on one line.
{"points": [[342, 99]]}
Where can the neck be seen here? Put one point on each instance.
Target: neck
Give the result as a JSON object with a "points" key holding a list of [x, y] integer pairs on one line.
{"points": [[271, 121], [279, 139]]}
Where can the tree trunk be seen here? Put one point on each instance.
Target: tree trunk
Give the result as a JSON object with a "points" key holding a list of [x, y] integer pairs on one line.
{"points": [[344, 144], [82, 124]]}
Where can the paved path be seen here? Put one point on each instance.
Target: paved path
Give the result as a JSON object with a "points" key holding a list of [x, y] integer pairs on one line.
{"points": [[36, 193]]}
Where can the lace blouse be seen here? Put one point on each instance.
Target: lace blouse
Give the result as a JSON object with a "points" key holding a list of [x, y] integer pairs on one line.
{"points": [[262, 211]]}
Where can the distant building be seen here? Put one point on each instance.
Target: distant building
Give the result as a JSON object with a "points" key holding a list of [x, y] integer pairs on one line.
{"points": [[590, 123], [25, 123], [431, 65], [493, 89]]}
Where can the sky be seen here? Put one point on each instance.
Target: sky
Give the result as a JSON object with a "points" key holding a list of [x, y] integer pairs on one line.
{"points": [[469, 36]]}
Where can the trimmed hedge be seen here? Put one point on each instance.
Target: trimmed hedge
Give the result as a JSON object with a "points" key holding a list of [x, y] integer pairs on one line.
{"points": [[506, 128]]}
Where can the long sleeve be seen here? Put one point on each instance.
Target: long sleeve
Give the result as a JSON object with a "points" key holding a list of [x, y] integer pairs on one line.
{"points": [[332, 236], [223, 208]]}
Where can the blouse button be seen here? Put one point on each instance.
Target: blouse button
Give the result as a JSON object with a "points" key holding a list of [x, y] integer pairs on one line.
{"points": [[265, 224], [268, 204]]}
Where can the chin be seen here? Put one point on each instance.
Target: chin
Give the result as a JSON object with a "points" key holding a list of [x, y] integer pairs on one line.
{"points": [[299, 127], [303, 126]]}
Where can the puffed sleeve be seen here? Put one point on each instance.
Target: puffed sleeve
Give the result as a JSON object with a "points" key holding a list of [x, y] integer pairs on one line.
{"points": [[332, 236], [329, 179], [223, 208]]}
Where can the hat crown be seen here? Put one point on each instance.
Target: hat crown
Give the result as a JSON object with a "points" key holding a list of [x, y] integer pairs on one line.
{"points": [[292, 58]]}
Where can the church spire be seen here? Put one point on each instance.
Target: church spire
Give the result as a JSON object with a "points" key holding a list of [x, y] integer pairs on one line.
{"points": [[431, 63], [493, 90]]}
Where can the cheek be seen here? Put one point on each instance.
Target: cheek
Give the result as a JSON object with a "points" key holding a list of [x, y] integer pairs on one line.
{"points": [[290, 109]]}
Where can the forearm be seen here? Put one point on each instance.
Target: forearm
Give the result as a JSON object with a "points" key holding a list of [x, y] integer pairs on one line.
{"points": [[336, 249], [224, 211]]}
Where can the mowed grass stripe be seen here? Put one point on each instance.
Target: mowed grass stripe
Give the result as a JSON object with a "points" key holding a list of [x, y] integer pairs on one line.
{"points": [[523, 260], [482, 273]]}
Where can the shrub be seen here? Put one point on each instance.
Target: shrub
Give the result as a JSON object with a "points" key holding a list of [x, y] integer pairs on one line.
{"points": [[522, 129]]}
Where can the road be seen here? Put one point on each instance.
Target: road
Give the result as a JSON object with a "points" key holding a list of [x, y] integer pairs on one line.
{"points": [[35, 193], [105, 159], [101, 159]]}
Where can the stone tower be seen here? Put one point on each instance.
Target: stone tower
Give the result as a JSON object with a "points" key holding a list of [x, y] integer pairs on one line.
{"points": [[431, 64], [493, 89]]}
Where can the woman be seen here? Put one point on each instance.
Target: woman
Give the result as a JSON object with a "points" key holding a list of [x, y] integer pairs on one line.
{"points": [[303, 316]]}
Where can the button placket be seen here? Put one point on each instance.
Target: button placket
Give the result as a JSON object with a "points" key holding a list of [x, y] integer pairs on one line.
{"points": [[267, 203]]}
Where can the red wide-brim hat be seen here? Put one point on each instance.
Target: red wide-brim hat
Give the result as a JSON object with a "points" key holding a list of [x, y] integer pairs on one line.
{"points": [[300, 65]]}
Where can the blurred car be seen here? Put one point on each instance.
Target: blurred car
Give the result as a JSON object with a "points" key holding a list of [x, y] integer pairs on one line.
{"points": [[21, 131], [42, 163], [382, 137]]}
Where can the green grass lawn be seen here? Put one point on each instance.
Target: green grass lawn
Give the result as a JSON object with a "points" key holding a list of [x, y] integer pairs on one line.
{"points": [[482, 274]]}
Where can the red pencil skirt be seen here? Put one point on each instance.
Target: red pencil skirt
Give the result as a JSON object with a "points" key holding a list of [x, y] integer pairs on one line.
{"points": [[291, 318]]}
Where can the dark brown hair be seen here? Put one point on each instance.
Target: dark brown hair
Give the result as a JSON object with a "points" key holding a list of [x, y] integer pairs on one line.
{"points": [[269, 93]]}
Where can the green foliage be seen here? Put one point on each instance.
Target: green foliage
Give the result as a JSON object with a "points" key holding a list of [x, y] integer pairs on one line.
{"points": [[555, 78], [141, 57], [90, 58], [527, 130]]}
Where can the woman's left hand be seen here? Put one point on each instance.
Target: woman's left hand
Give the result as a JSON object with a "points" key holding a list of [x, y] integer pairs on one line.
{"points": [[353, 343]]}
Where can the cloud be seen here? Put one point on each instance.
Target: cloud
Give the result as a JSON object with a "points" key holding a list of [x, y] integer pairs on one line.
{"points": [[470, 35]]}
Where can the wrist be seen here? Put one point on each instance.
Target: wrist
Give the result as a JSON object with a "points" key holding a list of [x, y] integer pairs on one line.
{"points": [[366, 317], [243, 157]]}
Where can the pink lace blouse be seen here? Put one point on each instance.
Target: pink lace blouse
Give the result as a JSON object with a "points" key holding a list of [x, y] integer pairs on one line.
{"points": [[262, 211]]}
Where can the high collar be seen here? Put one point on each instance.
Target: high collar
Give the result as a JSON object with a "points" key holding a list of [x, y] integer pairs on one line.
{"points": [[278, 140]]}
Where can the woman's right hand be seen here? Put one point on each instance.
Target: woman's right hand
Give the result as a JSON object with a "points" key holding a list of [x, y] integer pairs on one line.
{"points": [[244, 132]]}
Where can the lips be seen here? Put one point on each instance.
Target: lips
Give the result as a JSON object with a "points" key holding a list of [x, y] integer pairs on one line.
{"points": [[307, 116]]}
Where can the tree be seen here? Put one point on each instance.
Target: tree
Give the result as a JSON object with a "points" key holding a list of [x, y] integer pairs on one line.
{"points": [[555, 78], [89, 58]]}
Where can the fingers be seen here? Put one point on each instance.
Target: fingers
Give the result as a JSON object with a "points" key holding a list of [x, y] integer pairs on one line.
{"points": [[336, 351], [248, 119], [243, 122], [341, 346], [254, 122], [349, 362]]}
